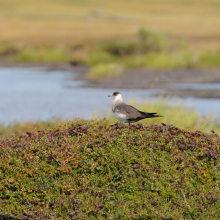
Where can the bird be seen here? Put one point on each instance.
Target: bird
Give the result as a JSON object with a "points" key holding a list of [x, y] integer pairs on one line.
{"points": [[127, 113]]}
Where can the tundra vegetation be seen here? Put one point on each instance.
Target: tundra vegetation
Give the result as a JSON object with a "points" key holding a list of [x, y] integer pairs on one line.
{"points": [[96, 169], [88, 169]]}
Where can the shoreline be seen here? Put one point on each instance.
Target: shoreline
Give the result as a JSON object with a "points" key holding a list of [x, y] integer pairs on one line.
{"points": [[142, 79]]}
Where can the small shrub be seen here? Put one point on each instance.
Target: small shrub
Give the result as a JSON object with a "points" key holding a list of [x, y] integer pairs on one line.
{"points": [[151, 41], [121, 48], [105, 70], [77, 58], [89, 169]]}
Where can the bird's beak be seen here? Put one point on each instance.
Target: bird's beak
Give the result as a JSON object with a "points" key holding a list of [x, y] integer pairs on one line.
{"points": [[110, 95]]}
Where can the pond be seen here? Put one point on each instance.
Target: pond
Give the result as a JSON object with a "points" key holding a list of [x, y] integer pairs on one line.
{"points": [[31, 94]]}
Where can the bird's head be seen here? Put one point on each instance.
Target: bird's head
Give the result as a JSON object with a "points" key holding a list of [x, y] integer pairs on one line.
{"points": [[116, 96]]}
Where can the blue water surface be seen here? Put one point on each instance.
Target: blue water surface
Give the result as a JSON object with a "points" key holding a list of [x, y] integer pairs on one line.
{"points": [[31, 94]]}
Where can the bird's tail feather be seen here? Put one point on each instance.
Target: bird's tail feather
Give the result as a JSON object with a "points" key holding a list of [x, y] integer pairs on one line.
{"points": [[150, 115]]}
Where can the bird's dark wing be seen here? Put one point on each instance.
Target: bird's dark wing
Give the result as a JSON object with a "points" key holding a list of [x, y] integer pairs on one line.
{"points": [[129, 111], [133, 113]]}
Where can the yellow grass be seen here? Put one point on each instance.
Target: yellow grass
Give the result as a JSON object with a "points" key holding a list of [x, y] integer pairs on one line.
{"points": [[66, 22]]}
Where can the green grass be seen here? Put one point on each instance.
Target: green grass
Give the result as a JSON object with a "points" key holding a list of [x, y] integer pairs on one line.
{"points": [[150, 49], [105, 70], [164, 61], [178, 115], [153, 51], [41, 55], [209, 60], [93, 170], [99, 57]]}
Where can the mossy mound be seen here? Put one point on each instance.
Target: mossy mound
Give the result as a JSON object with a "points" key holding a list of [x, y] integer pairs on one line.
{"points": [[90, 170]]}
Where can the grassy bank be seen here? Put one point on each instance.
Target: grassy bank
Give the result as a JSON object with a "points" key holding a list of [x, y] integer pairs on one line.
{"points": [[149, 49], [150, 34], [93, 170]]}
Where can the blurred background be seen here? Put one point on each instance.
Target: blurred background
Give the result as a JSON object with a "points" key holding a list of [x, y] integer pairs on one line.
{"points": [[60, 59]]}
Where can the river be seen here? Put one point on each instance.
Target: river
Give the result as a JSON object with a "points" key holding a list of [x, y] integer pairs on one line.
{"points": [[31, 94]]}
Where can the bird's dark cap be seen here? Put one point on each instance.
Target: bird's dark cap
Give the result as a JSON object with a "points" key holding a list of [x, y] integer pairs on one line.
{"points": [[116, 93]]}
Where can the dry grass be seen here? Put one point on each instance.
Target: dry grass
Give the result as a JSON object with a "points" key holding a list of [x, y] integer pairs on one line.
{"points": [[68, 22]]}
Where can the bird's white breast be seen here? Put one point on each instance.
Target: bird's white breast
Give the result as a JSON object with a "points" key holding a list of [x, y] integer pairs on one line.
{"points": [[120, 117]]}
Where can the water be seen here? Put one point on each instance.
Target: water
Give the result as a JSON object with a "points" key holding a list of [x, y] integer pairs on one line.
{"points": [[31, 94]]}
